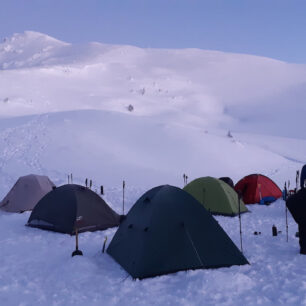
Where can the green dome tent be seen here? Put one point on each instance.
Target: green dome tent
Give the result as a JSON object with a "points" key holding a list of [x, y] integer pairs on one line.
{"points": [[216, 196], [167, 231]]}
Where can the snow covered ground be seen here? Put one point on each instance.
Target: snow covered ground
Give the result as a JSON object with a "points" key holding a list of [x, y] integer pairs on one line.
{"points": [[37, 267], [146, 116]]}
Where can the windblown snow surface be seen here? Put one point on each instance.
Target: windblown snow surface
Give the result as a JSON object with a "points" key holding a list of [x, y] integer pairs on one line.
{"points": [[112, 113]]}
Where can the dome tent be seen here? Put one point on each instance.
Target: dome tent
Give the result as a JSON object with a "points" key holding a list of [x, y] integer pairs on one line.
{"points": [[167, 231], [303, 177], [60, 209], [296, 204], [227, 180], [216, 196], [26, 193], [257, 188]]}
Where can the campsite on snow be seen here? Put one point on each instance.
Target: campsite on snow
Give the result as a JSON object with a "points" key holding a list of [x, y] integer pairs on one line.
{"points": [[162, 171]]}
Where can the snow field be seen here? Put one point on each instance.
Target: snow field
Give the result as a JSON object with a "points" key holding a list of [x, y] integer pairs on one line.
{"points": [[37, 267]]}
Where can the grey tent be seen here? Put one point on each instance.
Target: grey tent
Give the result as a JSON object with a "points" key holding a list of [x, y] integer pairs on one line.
{"points": [[166, 231], [26, 193], [73, 206]]}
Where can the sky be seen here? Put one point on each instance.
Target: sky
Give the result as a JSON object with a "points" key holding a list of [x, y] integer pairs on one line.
{"points": [[271, 28]]}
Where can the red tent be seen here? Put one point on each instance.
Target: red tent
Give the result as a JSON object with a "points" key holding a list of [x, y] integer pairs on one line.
{"points": [[257, 188]]}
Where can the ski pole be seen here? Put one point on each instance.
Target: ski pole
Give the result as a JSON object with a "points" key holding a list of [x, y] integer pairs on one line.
{"points": [[286, 193], [239, 197], [297, 179], [123, 185]]}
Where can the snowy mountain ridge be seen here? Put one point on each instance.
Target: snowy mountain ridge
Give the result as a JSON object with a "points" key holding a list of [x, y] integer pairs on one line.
{"points": [[189, 86]]}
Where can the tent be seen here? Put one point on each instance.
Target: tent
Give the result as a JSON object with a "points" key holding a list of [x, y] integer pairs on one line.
{"points": [[73, 206], [257, 188], [26, 192], [303, 177], [296, 204], [216, 196], [227, 180], [167, 231]]}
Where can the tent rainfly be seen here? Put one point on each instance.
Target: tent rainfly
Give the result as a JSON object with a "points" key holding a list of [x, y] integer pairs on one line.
{"points": [[73, 206], [257, 188], [26, 193], [216, 196], [166, 231]]}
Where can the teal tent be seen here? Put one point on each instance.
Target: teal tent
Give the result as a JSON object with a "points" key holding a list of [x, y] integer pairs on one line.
{"points": [[166, 231]]}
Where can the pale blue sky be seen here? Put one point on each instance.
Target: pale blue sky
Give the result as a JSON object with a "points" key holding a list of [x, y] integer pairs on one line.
{"points": [[273, 28]]}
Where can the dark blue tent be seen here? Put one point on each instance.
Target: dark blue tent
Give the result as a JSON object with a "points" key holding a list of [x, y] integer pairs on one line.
{"points": [[72, 206], [296, 204], [166, 231], [303, 176]]}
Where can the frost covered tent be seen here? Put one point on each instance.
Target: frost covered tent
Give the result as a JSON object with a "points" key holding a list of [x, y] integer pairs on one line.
{"points": [[216, 196], [257, 188], [26, 193], [166, 231], [62, 207]]}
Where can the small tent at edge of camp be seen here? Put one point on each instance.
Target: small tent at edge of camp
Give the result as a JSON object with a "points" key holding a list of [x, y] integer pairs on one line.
{"points": [[257, 188], [297, 208], [73, 206], [216, 196], [227, 180], [303, 177], [26, 193], [167, 231]]}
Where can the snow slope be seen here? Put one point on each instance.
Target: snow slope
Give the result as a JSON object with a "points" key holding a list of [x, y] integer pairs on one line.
{"points": [[196, 87], [65, 109], [109, 147]]}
